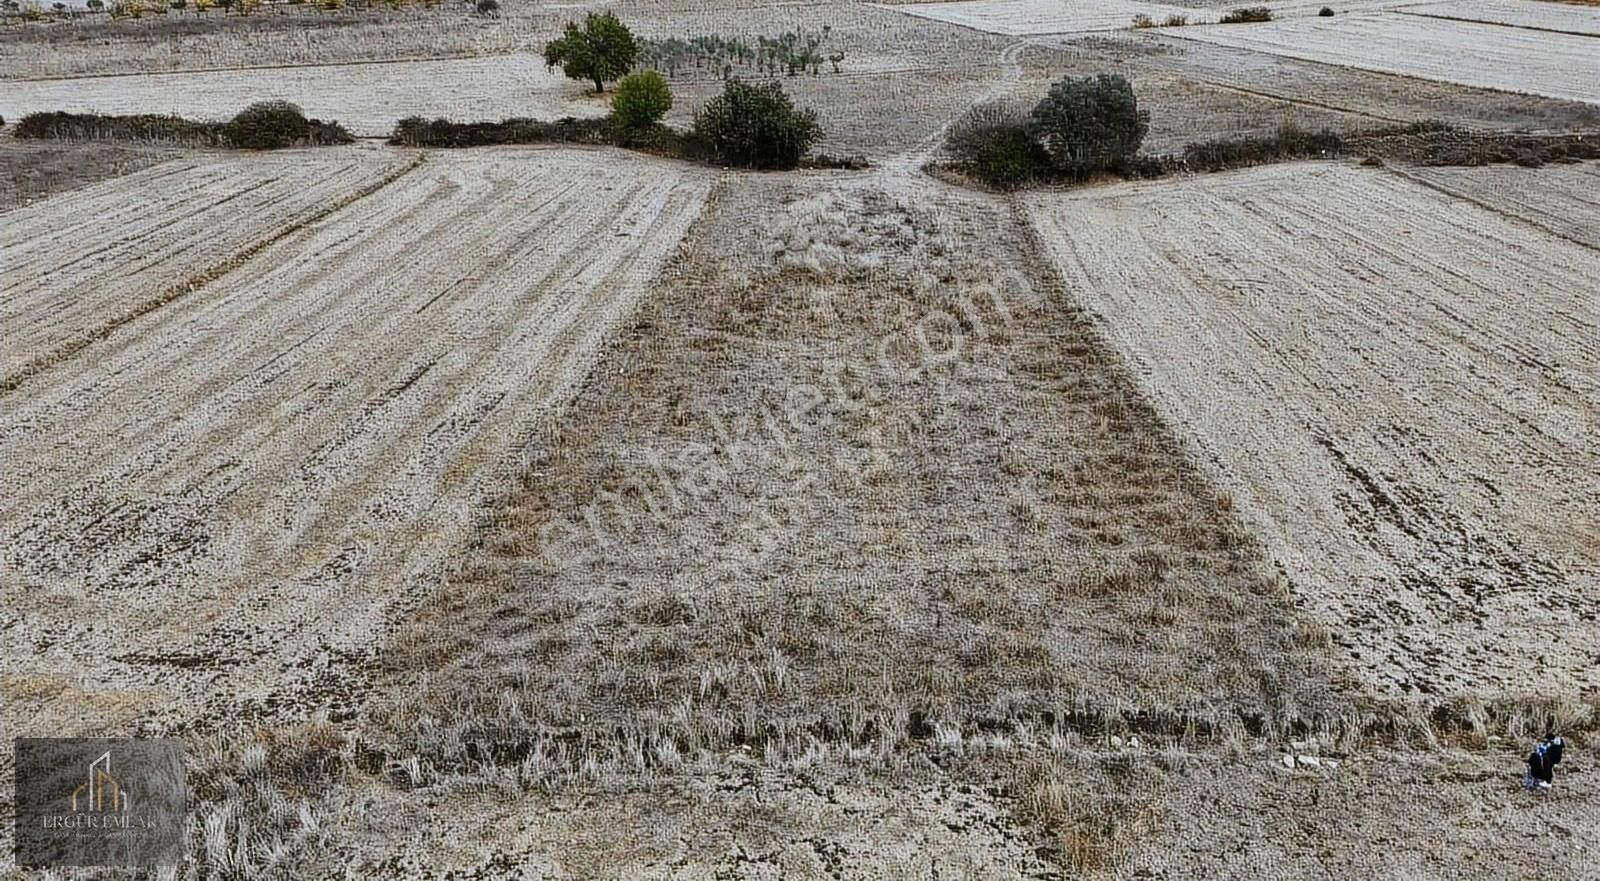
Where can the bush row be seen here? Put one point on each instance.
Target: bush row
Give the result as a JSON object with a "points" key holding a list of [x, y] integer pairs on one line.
{"points": [[268, 125], [749, 125]]}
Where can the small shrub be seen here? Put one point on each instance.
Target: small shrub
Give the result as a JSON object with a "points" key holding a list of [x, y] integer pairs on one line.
{"points": [[272, 125], [994, 143], [1176, 21], [1090, 124], [488, 7], [1326, 12], [602, 50], [1246, 15], [640, 102], [756, 126], [1141, 21], [1289, 142]]}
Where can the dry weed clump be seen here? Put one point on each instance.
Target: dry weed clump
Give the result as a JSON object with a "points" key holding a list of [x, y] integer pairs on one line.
{"points": [[835, 235], [266, 805], [1092, 819]]}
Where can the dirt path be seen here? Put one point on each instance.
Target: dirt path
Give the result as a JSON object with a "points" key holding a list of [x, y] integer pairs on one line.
{"points": [[1401, 384], [221, 502]]}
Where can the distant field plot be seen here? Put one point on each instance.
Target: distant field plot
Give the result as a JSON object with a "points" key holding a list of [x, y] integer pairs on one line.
{"points": [[1401, 385], [1539, 14], [77, 270], [1469, 53], [367, 98], [1024, 17], [1564, 200], [249, 477]]}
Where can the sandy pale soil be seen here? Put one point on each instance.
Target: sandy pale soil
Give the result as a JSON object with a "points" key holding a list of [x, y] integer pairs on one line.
{"points": [[1564, 199], [1401, 385], [1568, 18], [226, 506], [367, 98], [1025, 17], [1471, 53]]}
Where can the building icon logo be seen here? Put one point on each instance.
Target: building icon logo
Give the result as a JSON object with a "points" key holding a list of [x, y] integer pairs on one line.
{"points": [[101, 792]]}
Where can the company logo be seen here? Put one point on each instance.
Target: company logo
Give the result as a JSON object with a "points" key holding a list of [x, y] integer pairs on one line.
{"points": [[100, 789], [99, 802]]}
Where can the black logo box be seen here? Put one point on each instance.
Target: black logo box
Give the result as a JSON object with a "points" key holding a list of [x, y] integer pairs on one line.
{"points": [[95, 801]]}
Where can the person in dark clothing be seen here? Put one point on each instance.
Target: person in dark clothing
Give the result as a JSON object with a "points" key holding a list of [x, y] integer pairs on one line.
{"points": [[1542, 763]]}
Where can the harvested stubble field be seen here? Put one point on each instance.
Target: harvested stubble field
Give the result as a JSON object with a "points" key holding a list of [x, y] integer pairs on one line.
{"points": [[282, 35], [298, 401], [1401, 386], [1562, 18], [1034, 17], [1564, 200], [1363, 97], [367, 98], [1485, 55], [671, 524], [992, 543]]}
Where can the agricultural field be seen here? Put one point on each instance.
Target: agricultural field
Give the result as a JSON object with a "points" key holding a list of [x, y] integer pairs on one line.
{"points": [[1396, 422], [1563, 18], [294, 35], [367, 98], [567, 511], [1511, 59], [255, 474], [1037, 17], [31, 171], [1565, 201]]}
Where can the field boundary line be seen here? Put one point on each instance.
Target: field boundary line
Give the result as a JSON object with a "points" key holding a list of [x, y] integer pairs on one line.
{"points": [[294, 65], [1472, 200], [1301, 102], [1369, 70], [186, 286], [1499, 24]]}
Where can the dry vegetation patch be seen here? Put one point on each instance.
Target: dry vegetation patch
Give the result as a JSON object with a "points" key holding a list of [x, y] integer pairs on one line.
{"points": [[846, 486], [29, 172]]}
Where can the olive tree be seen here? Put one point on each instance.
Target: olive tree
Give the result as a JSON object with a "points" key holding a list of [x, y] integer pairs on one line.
{"points": [[1090, 123], [602, 49]]}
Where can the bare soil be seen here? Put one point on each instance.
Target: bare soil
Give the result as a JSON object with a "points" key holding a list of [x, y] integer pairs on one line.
{"points": [[1392, 419], [33, 171], [255, 474]]}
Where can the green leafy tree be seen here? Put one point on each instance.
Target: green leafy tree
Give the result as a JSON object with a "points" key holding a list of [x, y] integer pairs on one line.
{"points": [[603, 49], [1091, 123], [756, 126], [640, 102]]}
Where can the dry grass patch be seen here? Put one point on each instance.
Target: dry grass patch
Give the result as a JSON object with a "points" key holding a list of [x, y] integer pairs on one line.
{"points": [[843, 484]]}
